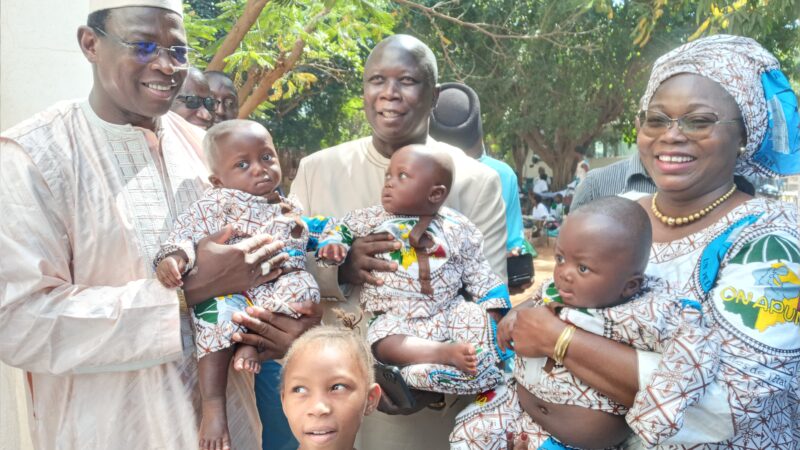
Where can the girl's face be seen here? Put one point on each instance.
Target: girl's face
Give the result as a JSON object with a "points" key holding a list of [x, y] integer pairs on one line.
{"points": [[325, 397]]}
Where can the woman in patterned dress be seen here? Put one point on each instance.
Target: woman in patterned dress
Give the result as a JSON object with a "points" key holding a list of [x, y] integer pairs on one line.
{"points": [[713, 108]]}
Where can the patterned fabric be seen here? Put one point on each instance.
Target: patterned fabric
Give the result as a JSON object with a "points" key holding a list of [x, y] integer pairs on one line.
{"points": [[626, 176], [456, 259], [653, 320], [744, 269], [460, 322], [752, 76], [213, 323], [249, 215], [87, 205], [484, 423]]}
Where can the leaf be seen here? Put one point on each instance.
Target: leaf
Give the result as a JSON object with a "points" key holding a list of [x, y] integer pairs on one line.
{"points": [[277, 92], [700, 30], [306, 77]]}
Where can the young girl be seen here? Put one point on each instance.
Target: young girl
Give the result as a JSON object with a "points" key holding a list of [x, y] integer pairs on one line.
{"points": [[327, 387]]}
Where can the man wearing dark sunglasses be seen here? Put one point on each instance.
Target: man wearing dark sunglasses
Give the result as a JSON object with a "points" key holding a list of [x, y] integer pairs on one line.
{"points": [[195, 102], [90, 190]]}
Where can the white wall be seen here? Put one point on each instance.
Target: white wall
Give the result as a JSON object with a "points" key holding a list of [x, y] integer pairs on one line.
{"points": [[40, 62]]}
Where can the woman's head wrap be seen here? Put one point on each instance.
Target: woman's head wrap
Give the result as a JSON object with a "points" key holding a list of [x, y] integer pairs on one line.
{"points": [[752, 76]]}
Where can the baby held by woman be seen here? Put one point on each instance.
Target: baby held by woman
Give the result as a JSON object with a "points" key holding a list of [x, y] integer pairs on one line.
{"points": [[599, 287]]}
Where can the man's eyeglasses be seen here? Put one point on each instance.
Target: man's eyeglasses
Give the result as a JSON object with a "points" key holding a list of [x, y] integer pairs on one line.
{"points": [[195, 101], [146, 51], [694, 126]]}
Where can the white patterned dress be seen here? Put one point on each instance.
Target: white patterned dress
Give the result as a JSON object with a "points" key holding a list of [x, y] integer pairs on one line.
{"points": [[249, 215], [654, 320], [745, 272], [456, 260], [745, 269]]}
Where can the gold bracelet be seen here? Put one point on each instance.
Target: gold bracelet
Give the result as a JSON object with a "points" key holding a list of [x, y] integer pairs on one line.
{"points": [[562, 343]]}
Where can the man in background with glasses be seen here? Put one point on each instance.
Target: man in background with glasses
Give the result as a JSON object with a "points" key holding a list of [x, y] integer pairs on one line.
{"points": [[224, 92], [195, 102], [89, 190]]}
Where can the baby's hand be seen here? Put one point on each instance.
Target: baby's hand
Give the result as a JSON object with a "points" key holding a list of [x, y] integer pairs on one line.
{"points": [[169, 271], [333, 252]]}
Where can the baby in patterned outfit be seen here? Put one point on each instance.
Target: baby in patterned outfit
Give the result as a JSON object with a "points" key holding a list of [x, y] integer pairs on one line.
{"points": [[245, 173], [442, 342], [599, 286]]}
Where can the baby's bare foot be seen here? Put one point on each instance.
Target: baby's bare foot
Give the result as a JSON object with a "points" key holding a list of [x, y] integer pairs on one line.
{"points": [[461, 355], [246, 358], [214, 425]]}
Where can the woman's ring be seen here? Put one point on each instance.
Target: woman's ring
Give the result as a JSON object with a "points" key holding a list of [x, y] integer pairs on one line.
{"points": [[266, 268]]}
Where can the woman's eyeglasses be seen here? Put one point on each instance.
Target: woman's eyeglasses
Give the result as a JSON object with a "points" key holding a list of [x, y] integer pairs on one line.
{"points": [[694, 126], [195, 101], [148, 51]]}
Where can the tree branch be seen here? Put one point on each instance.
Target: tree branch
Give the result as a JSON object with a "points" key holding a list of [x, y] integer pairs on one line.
{"points": [[243, 24], [298, 99], [284, 64], [484, 28], [253, 74]]}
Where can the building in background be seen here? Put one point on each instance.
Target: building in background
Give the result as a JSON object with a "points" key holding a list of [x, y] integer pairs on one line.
{"points": [[40, 61]]}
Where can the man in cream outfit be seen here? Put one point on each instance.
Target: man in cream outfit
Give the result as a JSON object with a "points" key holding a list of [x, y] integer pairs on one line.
{"points": [[400, 90], [89, 191]]}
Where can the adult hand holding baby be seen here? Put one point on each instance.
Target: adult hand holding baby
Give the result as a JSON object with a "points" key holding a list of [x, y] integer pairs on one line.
{"points": [[534, 330], [221, 269], [361, 259], [273, 333]]}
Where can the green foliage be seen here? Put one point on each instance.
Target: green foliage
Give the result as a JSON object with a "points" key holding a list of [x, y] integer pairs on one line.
{"points": [[572, 73], [205, 9], [578, 75], [327, 117], [314, 98]]}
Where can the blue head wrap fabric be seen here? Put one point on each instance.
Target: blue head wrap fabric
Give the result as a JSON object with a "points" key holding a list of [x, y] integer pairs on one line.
{"points": [[752, 76]]}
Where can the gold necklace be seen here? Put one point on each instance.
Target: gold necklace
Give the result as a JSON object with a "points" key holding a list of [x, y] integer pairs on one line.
{"points": [[678, 221]]}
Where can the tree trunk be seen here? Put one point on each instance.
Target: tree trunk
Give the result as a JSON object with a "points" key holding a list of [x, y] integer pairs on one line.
{"points": [[560, 157], [243, 24], [253, 74], [261, 92], [519, 151], [563, 170]]}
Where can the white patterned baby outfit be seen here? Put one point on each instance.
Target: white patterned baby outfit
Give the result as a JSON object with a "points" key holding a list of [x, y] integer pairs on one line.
{"points": [[653, 320], [456, 261], [249, 215]]}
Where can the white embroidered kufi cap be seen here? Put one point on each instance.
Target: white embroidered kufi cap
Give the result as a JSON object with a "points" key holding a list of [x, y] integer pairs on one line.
{"points": [[172, 5]]}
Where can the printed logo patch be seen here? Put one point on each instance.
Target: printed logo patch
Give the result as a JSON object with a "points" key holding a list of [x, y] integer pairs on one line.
{"points": [[757, 298], [406, 256]]}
